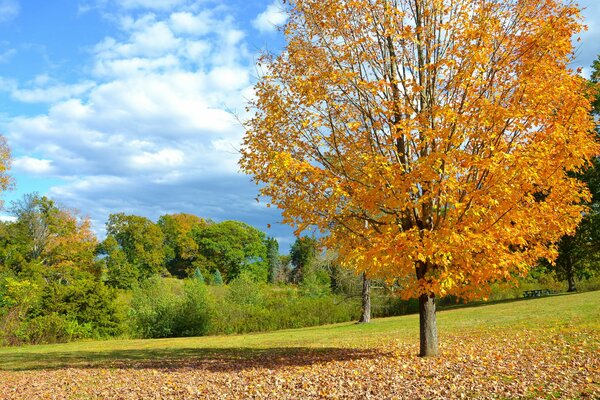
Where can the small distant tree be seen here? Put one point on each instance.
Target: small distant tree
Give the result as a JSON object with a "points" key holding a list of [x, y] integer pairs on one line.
{"points": [[273, 260], [302, 254], [198, 275], [217, 278]]}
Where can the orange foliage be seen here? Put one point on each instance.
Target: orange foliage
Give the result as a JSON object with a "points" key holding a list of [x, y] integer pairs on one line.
{"points": [[426, 136], [71, 242]]}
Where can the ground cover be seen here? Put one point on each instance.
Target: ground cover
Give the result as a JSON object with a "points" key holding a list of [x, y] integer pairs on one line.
{"points": [[537, 348]]}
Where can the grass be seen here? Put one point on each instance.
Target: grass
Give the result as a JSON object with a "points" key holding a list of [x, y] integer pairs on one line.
{"points": [[553, 313]]}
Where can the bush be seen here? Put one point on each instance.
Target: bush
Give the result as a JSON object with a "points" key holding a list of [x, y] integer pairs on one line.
{"points": [[163, 307], [271, 308], [244, 290], [53, 328], [85, 301]]}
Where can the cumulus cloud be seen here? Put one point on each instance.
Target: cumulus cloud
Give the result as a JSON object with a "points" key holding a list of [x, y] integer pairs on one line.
{"points": [[150, 4], [50, 94], [271, 18], [151, 129], [32, 165]]}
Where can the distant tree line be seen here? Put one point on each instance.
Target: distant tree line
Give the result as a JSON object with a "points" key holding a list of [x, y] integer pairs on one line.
{"points": [[186, 275]]}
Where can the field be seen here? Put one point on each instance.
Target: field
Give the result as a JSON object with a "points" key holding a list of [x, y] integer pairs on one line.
{"points": [[542, 348]]}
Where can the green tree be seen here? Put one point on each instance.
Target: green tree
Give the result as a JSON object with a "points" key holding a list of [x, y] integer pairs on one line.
{"points": [[181, 250], [579, 254], [273, 259], [141, 240], [198, 275], [119, 272], [232, 247], [217, 278], [302, 254]]}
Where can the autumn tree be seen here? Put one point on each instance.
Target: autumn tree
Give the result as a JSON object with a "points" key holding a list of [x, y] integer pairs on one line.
{"points": [[428, 140], [50, 235]]}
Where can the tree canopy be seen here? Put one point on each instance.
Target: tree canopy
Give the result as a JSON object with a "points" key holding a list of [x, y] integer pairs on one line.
{"points": [[428, 140]]}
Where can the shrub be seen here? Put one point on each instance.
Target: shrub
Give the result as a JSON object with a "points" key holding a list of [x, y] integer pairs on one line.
{"points": [[163, 307], [53, 328]]}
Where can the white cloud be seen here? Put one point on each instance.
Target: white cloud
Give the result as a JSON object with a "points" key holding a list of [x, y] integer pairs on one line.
{"points": [[8, 218], [150, 4], [9, 9], [188, 23], [271, 18], [52, 93], [32, 165], [150, 130], [165, 158], [153, 118]]}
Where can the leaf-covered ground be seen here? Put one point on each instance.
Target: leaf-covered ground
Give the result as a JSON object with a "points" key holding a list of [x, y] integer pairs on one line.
{"points": [[551, 359], [525, 364]]}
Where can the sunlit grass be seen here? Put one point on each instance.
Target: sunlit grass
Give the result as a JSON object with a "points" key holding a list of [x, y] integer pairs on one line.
{"points": [[554, 313]]}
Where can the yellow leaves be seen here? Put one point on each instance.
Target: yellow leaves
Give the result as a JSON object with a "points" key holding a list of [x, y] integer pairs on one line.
{"points": [[340, 133], [354, 126]]}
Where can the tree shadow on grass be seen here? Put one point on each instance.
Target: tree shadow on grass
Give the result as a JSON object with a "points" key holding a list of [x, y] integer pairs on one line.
{"points": [[214, 360]]}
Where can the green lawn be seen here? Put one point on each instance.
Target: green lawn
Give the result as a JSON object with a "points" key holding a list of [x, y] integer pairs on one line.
{"points": [[558, 313]]}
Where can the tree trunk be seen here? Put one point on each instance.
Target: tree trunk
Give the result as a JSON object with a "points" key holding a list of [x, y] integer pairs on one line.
{"points": [[366, 300], [428, 326], [570, 276], [571, 281]]}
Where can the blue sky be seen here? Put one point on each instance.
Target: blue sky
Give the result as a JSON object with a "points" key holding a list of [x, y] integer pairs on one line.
{"points": [[130, 105]]}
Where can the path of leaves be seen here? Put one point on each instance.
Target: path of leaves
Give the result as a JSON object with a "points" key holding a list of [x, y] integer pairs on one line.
{"points": [[529, 364]]}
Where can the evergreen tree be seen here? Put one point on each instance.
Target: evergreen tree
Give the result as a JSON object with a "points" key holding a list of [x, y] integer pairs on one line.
{"points": [[198, 275], [217, 278], [273, 259]]}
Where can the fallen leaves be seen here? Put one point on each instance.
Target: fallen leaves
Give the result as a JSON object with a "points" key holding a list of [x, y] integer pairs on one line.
{"points": [[531, 364]]}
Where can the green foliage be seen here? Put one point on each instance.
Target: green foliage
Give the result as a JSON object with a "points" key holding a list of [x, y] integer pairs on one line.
{"points": [[276, 308], [196, 310], [302, 254], [53, 328], [273, 259], [232, 247], [316, 282], [119, 272], [163, 307], [217, 279], [141, 240], [244, 290], [83, 299], [198, 275], [60, 306], [181, 250]]}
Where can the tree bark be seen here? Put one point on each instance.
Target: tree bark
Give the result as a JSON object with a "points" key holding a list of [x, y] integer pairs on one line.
{"points": [[570, 276], [428, 326], [366, 300]]}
